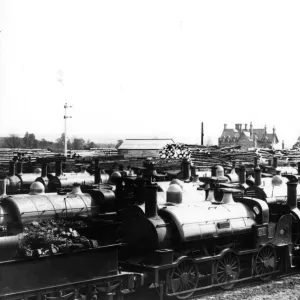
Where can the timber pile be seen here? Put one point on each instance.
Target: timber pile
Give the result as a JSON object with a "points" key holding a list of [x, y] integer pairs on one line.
{"points": [[28, 155], [208, 156], [175, 151], [52, 237]]}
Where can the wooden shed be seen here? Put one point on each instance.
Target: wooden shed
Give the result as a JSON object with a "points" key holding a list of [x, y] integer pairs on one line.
{"points": [[143, 147]]}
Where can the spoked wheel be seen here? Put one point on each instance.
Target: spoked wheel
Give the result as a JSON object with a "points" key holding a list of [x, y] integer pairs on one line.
{"points": [[184, 277], [265, 262], [227, 269]]}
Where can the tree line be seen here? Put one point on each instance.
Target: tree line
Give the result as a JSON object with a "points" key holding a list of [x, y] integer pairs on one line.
{"points": [[29, 141]]}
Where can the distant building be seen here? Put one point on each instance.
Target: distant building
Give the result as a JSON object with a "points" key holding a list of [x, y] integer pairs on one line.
{"points": [[297, 145], [247, 138], [143, 147]]}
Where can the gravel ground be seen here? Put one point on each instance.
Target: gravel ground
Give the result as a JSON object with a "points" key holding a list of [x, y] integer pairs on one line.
{"points": [[279, 289], [287, 288]]}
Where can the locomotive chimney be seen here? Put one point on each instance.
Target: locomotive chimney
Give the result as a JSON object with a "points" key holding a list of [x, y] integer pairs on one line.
{"points": [[242, 174], [76, 190], [211, 196], [193, 170], [97, 171], [257, 176], [255, 162], [58, 168], [292, 194], [275, 162], [269, 162], [213, 171], [2, 188], [83, 169], [227, 197], [44, 169], [233, 165], [186, 169], [20, 168], [12, 168], [150, 194]]}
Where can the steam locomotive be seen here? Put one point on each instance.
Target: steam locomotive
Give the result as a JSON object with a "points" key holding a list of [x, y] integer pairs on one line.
{"points": [[176, 236], [20, 182]]}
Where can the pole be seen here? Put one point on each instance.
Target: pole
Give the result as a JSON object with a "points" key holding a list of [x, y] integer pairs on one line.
{"points": [[66, 117], [202, 134]]}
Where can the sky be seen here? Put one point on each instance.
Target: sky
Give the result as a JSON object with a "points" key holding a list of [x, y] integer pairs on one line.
{"points": [[144, 69]]}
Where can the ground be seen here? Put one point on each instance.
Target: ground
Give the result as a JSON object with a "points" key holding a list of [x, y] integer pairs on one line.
{"points": [[280, 289]]}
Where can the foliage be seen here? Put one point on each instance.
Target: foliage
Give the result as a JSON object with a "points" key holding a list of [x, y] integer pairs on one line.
{"points": [[29, 141], [13, 141]]}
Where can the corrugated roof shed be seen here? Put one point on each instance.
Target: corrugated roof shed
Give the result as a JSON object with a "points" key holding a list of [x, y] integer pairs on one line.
{"points": [[145, 144]]}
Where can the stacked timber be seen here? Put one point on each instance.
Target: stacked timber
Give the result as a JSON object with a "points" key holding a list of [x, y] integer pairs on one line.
{"points": [[31, 155], [205, 157], [175, 151]]}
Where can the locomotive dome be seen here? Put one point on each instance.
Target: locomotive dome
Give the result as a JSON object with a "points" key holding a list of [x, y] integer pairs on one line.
{"points": [[38, 171], [37, 188], [219, 171], [177, 182], [174, 194], [114, 176], [277, 180]]}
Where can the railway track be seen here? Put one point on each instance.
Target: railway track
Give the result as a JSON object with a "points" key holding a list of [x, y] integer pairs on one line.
{"points": [[284, 286]]}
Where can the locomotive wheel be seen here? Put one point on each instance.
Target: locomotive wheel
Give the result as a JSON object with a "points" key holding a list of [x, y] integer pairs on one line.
{"points": [[227, 268], [184, 277], [265, 262]]}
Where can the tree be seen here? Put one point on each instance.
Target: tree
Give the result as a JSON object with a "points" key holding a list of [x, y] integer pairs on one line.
{"points": [[44, 144], [13, 141], [89, 144], [29, 140], [78, 144]]}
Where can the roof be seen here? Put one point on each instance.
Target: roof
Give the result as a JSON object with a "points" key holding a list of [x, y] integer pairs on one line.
{"points": [[230, 132], [259, 132], [145, 144]]}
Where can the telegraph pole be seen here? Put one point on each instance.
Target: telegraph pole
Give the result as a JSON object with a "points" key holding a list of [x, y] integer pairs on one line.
{"points": [[202, 133], [66, 106]]}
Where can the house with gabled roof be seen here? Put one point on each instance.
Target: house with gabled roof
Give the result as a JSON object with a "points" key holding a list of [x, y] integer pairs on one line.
{"points": [[143, 147], [248, 138]]}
